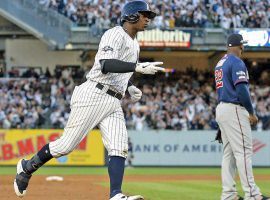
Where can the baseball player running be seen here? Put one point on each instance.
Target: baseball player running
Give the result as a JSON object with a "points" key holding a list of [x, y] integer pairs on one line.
{"points": [[96, 102], [235, 115]]}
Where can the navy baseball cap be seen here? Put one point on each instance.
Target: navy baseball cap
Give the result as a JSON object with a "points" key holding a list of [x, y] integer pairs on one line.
{"points": [[235, 40]]}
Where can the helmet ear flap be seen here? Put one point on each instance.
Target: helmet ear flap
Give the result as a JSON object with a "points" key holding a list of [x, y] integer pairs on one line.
{"points": [[133, 18]]}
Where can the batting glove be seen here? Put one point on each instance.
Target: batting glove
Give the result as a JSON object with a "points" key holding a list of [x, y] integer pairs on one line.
{"points": [[135, 93], [148, 67]]}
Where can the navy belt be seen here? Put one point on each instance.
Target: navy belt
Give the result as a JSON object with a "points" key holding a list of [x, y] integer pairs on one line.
{"points": [[238, 104], [110, 92]]}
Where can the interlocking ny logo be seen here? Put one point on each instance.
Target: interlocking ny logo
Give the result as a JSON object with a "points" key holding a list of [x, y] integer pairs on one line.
{"points": [[107, 48], [257, 145]]}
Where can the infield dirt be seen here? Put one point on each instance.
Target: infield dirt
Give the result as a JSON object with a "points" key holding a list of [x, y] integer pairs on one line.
{"points": [[86, 187]]}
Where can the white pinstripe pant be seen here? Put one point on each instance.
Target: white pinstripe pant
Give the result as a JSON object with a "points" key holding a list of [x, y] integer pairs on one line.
{"points": [[233, 121], [91, 107]]}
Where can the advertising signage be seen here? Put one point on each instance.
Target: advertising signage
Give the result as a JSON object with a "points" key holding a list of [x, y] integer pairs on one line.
{"points": [[165, 38], [189, 148], [256, 38], [18, 144]]}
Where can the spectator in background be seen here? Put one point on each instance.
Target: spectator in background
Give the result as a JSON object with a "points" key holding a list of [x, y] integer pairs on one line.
{"points": [[47, 73], [177, 13], [30, 73], [130, 156], [176, 101]]}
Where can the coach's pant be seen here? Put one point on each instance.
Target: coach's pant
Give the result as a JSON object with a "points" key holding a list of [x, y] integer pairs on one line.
{"points": [[91, 107], [233, 121]]}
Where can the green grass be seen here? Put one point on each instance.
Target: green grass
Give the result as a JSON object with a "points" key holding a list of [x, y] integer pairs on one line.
{"points": [[206, 190], [169, 190], [60, 170], [129, 171]]}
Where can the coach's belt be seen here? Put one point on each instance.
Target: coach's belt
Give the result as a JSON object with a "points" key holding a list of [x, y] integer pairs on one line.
{"points": [[110, 92]]}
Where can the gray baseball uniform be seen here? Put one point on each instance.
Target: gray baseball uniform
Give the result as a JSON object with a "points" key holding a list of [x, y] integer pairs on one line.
{"points": [[233, 120]]}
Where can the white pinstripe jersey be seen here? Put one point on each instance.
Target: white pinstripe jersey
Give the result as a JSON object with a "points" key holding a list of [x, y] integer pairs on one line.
{"points": [[115, 44]]}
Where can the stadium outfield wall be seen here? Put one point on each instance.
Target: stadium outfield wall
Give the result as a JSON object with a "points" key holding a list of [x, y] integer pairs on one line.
{"points": [[150, 148], [189, 148]]}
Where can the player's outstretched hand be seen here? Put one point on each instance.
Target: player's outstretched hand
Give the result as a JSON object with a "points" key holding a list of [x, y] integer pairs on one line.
{"points": [[253, 119], [135, 93], [149, 67]]}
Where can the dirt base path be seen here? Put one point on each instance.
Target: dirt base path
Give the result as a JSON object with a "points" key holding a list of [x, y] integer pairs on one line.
{"points": [[72, 188], [86, 187]]}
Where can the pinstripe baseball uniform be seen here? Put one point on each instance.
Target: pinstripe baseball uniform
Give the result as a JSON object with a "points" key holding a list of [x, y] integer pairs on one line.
{"points": [[96, 102], [92, 106]]}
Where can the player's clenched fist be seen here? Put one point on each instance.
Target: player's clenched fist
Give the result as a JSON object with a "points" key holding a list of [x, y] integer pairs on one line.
{"points": [[149, 67], [135, 93]]}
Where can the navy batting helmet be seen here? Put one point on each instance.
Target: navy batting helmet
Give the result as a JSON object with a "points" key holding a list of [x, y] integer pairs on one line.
{"points": [[131, 10]]}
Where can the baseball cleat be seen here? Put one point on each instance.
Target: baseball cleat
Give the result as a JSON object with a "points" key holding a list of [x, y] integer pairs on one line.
{"points": [[121, 196], [265, 198], [21, 180]]}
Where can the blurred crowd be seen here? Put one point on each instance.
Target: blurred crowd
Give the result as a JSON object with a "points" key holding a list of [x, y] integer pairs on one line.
{"points": [[37, 100], [187, 101], [103, 14], [176, 101]]}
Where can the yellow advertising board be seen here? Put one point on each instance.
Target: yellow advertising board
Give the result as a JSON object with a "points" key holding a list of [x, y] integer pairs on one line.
{"points": [[17, 144]]}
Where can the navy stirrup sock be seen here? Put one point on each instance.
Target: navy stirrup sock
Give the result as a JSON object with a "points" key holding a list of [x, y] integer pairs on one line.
{"points": [[116, 172], [43, 156]]}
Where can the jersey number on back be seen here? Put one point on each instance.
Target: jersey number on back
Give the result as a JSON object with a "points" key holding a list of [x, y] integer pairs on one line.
{"points": [[218, 78]]}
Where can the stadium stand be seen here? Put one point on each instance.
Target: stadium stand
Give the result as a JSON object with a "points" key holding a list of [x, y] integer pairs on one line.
{"points": [[180, 101], [172, 13]]}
